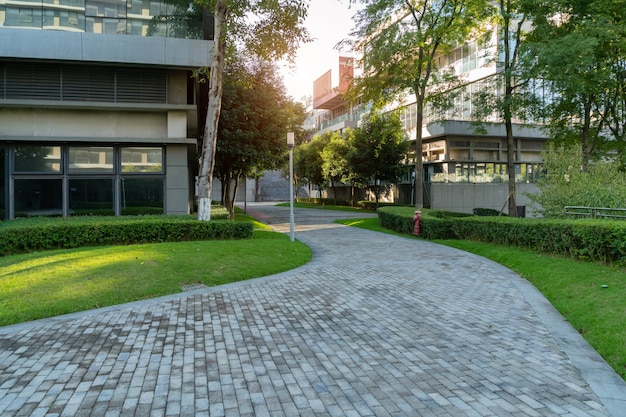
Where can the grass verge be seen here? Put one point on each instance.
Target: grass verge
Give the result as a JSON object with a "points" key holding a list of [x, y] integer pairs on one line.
{"points": [[574, 288], [46, 284], [301, 204]]}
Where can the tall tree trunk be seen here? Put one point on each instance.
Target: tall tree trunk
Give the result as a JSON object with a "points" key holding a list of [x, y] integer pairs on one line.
{"points": [[353, 195], [227, 187], [585, 137], [505, 10], [510, 166], [223, 180], [207, 161], [233, 200], [419, 180]]}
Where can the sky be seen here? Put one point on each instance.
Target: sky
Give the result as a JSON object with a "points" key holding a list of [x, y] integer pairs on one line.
{"points": [[328, 22]]}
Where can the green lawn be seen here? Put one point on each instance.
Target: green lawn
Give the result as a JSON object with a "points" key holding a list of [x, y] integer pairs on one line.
{"points": [[304, 204], [45, 284], [574, 288]]}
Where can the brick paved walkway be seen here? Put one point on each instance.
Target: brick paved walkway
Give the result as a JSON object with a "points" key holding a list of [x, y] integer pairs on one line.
{"points": [[375, 325]]}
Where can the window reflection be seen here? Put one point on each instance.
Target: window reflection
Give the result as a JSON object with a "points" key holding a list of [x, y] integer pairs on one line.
{"points": [[140, 159], [90, 159], [37, 159]]}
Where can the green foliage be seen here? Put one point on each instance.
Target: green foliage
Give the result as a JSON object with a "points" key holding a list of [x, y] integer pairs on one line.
{"points": [[255, 116], [372, 205], [581, 54], [26, 235], [487, 212], [308, 161], [376, 152], [403, 41], [335, 167], [566, 184], [595, 240]]}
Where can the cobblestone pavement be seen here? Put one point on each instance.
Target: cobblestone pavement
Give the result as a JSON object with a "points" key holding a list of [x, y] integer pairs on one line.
{"points": [[375, 325]]}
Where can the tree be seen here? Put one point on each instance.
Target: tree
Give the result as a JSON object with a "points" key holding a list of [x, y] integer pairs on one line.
{"points": [[267, 29], [309, 160], [334, 163], [507, 96], [400, 41], [376, 153], [566, 184], [255, 116], [578, 47]]}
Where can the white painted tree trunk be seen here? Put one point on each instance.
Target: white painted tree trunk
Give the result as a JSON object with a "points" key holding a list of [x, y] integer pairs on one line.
{"points": [[207, 161]]}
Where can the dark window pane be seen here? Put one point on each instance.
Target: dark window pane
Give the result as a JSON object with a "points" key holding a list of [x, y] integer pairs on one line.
{"points": [[38, 159], [38, 197], [142, 196], [91, 197]]}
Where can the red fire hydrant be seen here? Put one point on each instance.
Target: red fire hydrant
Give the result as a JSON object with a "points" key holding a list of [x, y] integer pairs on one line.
{"points": [[416, 219]]}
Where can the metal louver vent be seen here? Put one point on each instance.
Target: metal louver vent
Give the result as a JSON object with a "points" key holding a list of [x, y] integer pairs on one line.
{"points": [[43, 81], [26, 81], [141, 86], [84, 83]]}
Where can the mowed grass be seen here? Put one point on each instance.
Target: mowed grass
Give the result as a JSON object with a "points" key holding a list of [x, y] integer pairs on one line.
{"points": [[574, 288], [46, 284], [304, 204]]}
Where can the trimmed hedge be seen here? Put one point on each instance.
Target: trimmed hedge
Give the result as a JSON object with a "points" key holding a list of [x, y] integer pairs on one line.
{"points": [[597, 240], [22, 236]]}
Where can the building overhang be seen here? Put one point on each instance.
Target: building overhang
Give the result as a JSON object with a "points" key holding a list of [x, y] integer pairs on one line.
{"points": [[330, 101], [96, 105], [464, 128], [97, 140], [52, 45]]}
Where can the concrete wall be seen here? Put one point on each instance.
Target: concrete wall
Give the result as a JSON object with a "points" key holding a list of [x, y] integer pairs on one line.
{"points": [[177, 181], [463, 197], [161, 126], [97, 47]]}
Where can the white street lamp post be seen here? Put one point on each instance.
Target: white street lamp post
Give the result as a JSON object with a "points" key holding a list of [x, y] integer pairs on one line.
{"points": [[291, 143]]}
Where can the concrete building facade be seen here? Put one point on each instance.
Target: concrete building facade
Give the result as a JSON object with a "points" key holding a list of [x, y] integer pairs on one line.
{"points": [[463, 167], [98, 108]]}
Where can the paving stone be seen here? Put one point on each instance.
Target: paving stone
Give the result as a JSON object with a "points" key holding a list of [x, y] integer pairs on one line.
{"points": [[375, 325]]}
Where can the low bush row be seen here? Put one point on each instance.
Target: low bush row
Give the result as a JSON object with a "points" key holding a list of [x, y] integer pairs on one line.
{"points": [[598, 240], [20, 236]]}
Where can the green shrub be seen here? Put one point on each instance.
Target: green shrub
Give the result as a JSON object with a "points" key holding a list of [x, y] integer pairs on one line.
{"points": [[27, 235], [371, 205], [487, 212], [444, 214], [432, 223], [598, 240]]}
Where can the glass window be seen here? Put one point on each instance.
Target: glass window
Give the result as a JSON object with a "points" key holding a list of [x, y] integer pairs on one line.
{"points": [[140, 159], [105, 8], [37, 159], [23, 17], [142, 196], [91, 196], [136, 6], [90, 159], [38, 197]]}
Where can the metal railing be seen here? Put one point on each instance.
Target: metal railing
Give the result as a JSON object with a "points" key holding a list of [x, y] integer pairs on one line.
{"points": [[595, 212]]}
